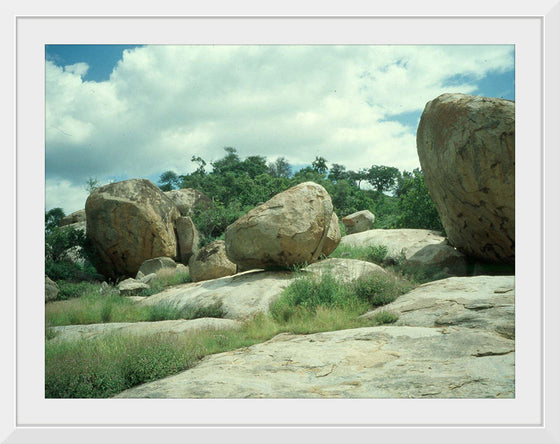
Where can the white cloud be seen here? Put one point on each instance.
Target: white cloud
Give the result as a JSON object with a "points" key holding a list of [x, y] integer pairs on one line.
{"points": [[79, 69], [163, 104], [65, 195]]}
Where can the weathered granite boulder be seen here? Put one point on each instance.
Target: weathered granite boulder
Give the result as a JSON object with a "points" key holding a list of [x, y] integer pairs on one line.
{"points": [[131, 287], [211, 262], [333, 236], [188, 199], [437, 261], [466, 146], [358, 222], [173, 327], [291, 228], [478, 302], [129, 222], [400, 243], [154, 265], [369, 362], [73, 218], [51, 289], [187, 239]]}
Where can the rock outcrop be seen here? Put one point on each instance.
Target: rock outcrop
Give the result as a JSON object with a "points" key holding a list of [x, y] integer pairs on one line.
{"points": [[240, 296], [51, 289], [73, 218], [480, 302], [358, 222], [466, 146], [370, 362], [129, 222], [211, 262], [437, 261], [291, 228], [333, 236], [187, 239], [188, 199], [400, 243]]}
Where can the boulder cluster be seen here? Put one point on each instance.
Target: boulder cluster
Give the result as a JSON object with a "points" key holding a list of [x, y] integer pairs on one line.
{"points": [[466, 146], [133, 221]]}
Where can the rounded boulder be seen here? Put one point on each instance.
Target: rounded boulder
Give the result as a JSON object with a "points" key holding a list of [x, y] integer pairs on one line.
{"points": [[466, 146], [289, 229], [128, 223]]}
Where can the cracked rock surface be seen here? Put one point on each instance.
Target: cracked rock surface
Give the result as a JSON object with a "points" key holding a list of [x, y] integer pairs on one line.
{"points": [[372, 362], [478, 302]]}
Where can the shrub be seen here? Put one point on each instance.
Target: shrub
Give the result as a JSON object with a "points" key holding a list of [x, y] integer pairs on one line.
{"points": [[381, 288], [101, 368], [385, 317], [68, 290]]}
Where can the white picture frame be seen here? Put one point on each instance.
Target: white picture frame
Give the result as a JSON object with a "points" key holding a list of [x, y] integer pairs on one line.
{"points": [[27, 418]]}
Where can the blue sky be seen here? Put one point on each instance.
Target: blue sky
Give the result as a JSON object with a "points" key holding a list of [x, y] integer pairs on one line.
{"points": [[123, 111]]}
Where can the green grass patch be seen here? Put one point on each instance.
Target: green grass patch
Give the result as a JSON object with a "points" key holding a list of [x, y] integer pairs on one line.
{"points": [[105, 366], [309, 292], [102, 308], [167, 278], [371, 253]]}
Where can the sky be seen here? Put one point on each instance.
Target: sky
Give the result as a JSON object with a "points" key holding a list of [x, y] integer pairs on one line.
{"points": [[116, 112]]}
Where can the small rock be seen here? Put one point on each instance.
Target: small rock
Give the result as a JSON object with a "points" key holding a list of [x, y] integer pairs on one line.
{"points": [[131, 287], [156, 264], [358, 222], [211, 262]]}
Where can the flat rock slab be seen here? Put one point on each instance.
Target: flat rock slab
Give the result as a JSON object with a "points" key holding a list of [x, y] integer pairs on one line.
{"points": [[241, 295], [90, 331], [345, 270], [482, 302], [372, 362], [246, 294], [406, 241]]}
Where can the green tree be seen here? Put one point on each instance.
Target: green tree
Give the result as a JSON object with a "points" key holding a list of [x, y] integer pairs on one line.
{"points": [[280, 168], [416, 208], [382, 178], [337, 172], [319, 165], [52, 218], [91, 184], [168, 181]]}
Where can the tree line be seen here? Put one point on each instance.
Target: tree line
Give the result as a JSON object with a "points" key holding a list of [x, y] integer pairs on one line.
{"points": [[235, 185]]}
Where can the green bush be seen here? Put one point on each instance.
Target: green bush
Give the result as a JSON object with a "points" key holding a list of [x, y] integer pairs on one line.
{"points": [[98, 369], [381, 288], [385, 317], [69, 290]]}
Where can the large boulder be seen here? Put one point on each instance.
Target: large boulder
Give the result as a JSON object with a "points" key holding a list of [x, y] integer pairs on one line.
{"points": [[466, 146], [437, 261], [211, 262], [73, 218], [358, 222], [291, 228], [51, 289], [333, 236], [187, 239], [129, 222], [188, 199]]}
